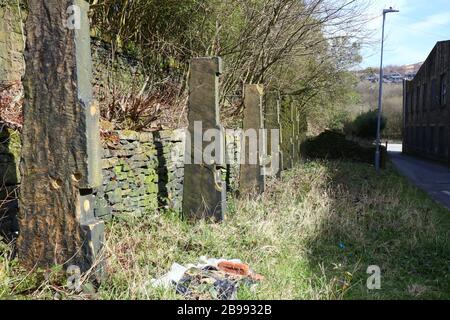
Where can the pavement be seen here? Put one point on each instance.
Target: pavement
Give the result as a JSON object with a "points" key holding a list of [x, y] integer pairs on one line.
{"points": [[431, 177]]}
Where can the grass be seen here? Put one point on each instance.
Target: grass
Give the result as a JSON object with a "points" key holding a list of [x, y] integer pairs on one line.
{"points": [[312, 235]]}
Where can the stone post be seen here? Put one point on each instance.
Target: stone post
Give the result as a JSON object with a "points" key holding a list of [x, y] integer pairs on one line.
{"points": [[292, 133], [251, 177], [295, 136], [11, 43], [281, 135], [272, 122], [302, 132], [204, 191], [284, 109], [60, 160]]}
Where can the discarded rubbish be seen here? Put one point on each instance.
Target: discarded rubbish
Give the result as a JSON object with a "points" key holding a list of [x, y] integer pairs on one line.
{"points": [[217, 279]]}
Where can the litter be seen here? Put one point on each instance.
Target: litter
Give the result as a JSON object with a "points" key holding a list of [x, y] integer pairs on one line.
{"points": [[217, 279], [175, 275]]}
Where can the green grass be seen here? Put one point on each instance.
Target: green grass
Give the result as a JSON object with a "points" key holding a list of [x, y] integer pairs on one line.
{"points": [[312, 235]]}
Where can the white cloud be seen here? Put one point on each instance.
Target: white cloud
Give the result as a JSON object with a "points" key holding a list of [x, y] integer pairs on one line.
{"points": [[434, 22]]}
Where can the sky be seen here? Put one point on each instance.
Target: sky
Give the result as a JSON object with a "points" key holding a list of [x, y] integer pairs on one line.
{"points": [[410, 34]]}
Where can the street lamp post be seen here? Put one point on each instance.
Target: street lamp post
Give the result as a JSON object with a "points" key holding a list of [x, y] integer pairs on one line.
{"points": [[380, 96]]}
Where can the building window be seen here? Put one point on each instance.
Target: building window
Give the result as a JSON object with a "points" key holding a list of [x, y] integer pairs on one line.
{"points": [[411, 137], [417, 99], [424, 97], [434, 95], [417, 137], [421, 142], [423, 145], [441, 142], [406, 110], [432, 139], [411, 103], [443, 95]]}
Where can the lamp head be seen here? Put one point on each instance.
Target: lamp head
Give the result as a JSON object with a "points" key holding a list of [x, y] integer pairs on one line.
{"points": [[389, 10]]}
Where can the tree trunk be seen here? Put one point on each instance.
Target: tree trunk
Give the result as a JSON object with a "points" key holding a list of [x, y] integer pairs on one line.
{"points": [[61, 150]]}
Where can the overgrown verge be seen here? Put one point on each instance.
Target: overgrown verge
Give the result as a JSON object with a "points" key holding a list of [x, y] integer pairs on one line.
{"points": [[313, 235], [331, 145]]}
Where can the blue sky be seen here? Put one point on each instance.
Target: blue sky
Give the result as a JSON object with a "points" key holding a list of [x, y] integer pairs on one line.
{"points": [[410, 34]]}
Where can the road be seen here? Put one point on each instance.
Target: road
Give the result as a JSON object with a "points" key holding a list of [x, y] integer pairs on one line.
{"points": [[432, 177]]}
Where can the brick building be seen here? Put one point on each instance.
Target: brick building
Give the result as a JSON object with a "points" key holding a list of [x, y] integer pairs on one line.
{"points": [[426, 107]]}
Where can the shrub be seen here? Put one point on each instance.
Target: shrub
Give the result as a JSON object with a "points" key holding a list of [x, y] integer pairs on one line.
{"points": [[334, 146], [337, 119], [365, 125]]}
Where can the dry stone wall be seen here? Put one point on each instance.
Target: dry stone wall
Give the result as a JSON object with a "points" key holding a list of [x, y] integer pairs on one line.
{"points": [[142, 172], [130, 181]]}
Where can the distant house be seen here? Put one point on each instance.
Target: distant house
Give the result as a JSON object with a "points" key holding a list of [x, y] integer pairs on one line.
{"points": [[410, 76], [372, 78], [394, 77], [426, 107]]}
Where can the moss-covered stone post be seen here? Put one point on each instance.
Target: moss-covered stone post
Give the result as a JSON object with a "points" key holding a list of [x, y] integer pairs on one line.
{"points": [[60, 160], [294, 139], [11, 42], [298, 134], [251, 176], [290, 111], [272, 122], [204, 191], [281, 135], [286, 131]]}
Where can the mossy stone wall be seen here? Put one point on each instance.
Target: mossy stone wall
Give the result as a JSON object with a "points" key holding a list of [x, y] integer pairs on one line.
{"points": [[141, 172]]}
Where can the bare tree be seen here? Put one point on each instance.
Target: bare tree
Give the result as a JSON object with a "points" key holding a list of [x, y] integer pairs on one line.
{"points": [[300, 47]]}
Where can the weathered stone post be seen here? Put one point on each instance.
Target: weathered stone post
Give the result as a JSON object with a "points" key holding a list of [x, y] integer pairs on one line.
{"points": [[281, 135], [286, 131], [204, 192], [251, 176], [295, 137], [299, 134], [291, 134], [11, 43], [272, 122], [60, 160]]}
